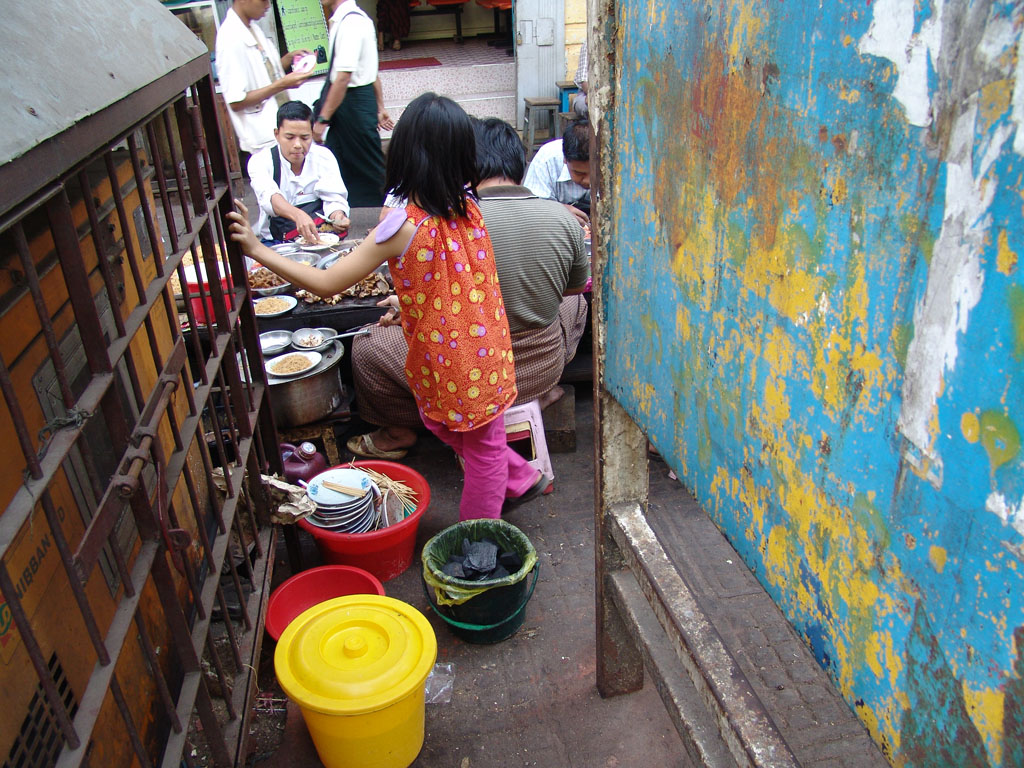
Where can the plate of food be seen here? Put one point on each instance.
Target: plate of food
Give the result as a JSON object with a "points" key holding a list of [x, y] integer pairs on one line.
{"points": [[263, 282], [327, 240], [272, 306], [293, 364]]}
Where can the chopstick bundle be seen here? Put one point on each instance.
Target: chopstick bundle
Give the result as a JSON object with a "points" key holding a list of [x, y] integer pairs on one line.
{"points": [[351, 491], [402, 491]]}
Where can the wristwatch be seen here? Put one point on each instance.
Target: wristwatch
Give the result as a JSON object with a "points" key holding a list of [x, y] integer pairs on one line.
{"points": [[322, 119]]}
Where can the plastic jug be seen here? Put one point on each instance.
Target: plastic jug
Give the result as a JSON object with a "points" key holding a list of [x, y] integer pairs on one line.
{"points": [[302, 462]]}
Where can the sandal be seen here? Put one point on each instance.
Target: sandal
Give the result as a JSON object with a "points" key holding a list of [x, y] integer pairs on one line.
{"points": [[362, 445], [531, 493]]}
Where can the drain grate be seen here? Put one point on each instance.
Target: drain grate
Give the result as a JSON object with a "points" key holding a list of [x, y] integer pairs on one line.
{"points": [[39, 740]]}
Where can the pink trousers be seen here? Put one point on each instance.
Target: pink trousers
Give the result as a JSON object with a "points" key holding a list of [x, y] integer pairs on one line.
{"points": [[494, 471]]}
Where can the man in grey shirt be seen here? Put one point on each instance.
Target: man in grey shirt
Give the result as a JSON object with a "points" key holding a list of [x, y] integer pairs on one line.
{"points": [[543, 268]]}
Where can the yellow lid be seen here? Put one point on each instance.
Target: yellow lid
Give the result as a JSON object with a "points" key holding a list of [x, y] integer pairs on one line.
{"points": [[355, 654]]}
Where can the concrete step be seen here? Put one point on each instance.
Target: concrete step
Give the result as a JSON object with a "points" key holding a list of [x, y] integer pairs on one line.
{"points": [[483, 90], [404, 85]]}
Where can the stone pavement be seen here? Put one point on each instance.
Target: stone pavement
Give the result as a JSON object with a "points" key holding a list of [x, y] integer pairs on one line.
{"points": [[532, 701]]}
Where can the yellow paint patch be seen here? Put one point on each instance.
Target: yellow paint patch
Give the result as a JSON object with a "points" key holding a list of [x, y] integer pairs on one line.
{"points": [[995, 100], [775, 401], [985, 707], [938, 557], [1006, 257], [970, 427], [839, 191], [852, 96]]}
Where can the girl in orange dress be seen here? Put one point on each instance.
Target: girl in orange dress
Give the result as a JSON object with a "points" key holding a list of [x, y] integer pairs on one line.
{"points": [[459, 366]]}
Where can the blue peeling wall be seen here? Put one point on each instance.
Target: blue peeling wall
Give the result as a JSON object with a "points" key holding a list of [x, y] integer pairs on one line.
{"points": [[815, 307]]}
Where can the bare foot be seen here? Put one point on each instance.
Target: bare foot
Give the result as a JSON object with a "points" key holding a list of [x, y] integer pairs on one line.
{"points": [[393, 438], [553, 395], [396, 45]]}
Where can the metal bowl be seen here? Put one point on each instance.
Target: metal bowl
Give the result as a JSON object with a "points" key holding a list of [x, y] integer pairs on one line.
{"points": [[304, 257], [304, 333], [272, 342], [272, 291]]}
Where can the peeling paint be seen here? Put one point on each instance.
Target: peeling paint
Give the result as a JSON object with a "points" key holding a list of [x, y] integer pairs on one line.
{"points": [[822, 223]]}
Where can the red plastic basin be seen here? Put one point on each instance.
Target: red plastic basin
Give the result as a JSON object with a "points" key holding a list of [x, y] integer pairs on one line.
{"points": [[309, 588], [385, 553]]}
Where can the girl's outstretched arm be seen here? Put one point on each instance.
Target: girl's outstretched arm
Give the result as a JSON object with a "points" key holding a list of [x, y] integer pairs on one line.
{"points": [[345, 272]]}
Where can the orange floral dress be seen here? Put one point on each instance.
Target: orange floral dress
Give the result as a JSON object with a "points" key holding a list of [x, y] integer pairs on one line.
{"points": [[459, 364]]}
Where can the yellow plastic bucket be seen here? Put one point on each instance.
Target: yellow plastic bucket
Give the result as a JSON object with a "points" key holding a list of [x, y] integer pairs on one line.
{"points": [[356, 666]]}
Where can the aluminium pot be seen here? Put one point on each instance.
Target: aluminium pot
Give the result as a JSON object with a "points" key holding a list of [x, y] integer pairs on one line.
{"points": [[312, 396]]}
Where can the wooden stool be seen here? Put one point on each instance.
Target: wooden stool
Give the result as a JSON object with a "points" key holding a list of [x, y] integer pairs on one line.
{"points": [[566, 93], [535, 108], [564, 118]]}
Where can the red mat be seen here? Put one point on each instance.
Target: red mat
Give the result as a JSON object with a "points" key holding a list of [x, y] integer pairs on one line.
{"points": [[409, 63]]}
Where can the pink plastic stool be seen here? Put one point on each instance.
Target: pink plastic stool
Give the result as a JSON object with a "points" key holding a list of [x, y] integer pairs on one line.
{"points": [[524, 422]]}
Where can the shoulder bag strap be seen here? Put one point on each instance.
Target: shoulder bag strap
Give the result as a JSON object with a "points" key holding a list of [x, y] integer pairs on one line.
{"points": [[275, 155]]}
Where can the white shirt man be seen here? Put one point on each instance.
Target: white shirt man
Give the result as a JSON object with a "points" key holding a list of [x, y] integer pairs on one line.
{"points": [[561, 171], [354, 44], [251, 74], [308, 173]]}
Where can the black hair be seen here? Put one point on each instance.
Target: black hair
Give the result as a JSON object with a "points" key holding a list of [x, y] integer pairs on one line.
{"points": [[499, 150], [294, 110], [432, 156], [576, 141]]}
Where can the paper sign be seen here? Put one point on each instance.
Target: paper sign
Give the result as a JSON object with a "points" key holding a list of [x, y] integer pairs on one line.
{"points": [[305, 27]]}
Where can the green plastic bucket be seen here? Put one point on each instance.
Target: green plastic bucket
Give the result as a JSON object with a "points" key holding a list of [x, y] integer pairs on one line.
{"points": [[487, 611]]}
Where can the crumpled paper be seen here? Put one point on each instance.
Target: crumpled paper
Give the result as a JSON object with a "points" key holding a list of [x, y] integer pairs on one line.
{"points": [[289, 503]]}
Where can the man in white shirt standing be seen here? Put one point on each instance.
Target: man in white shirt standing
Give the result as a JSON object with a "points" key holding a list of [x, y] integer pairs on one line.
{"points": [[252, 75], [561, 171], [301, 180], [352, 103]]}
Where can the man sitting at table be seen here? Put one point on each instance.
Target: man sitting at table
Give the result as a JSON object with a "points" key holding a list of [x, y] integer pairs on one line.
{"points": [[295, 180], [561, 171], [540, 256]]}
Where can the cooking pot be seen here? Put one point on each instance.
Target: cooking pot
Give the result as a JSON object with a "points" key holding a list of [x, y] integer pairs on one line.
{"points": [[311, 396]]}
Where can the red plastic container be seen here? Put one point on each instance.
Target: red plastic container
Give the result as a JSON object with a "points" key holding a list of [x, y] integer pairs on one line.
{"points": [[309, 588], [301, 462], [196, 275], [385, 553]]}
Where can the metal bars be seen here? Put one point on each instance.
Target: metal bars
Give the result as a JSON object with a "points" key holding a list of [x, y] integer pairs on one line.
{"points": [[158, 397]]}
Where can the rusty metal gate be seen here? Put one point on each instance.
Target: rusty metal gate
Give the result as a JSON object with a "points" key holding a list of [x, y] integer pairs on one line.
{"points": [[127, 400]]}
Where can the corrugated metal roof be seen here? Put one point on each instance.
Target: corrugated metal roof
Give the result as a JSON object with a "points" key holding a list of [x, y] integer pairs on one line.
{"points": [[64, 61]]}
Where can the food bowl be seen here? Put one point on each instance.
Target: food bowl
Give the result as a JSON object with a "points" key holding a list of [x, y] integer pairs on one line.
{"points": [[305, 257], [292, 364], [299, 338], [272, 342], [262, 274]]}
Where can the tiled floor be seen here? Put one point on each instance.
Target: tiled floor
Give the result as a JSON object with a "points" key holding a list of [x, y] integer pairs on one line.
{"points": [[479, 77], [472, 51]]}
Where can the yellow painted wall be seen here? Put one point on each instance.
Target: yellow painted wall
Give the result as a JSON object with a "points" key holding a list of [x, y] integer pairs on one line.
{"points": [[575, 34]]}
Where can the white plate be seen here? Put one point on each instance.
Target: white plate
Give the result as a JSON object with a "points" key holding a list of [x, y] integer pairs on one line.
{"points": [[350, 476], [290, 300], [312, 357], [327, 240]]}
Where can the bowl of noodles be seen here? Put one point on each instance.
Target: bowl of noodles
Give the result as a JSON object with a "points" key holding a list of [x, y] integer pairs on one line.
{"points": [[292, 364]]}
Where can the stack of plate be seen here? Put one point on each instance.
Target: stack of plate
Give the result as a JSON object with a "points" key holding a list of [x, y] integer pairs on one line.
{"points": [[343, 512]]}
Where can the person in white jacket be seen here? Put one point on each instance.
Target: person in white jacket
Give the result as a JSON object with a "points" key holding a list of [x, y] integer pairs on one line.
{"points": [[252, 75]]}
